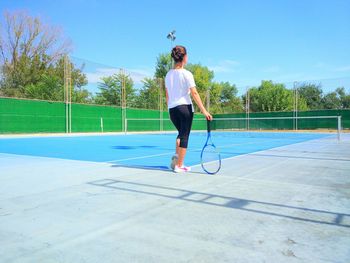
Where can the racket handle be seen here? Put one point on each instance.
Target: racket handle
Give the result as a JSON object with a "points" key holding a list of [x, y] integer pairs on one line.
{"points": [[208, 126]]}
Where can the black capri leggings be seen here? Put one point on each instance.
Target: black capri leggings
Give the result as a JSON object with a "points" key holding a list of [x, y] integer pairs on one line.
{"points": [[182, 117]]}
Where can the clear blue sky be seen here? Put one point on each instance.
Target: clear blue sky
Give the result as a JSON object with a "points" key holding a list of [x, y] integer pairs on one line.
{"points": [[242, 41]]}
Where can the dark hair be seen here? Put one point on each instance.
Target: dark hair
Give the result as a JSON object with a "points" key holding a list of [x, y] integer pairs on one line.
{"points": [[178, 53]]}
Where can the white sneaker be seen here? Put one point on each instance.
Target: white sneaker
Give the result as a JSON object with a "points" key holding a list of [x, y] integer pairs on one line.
{"points": [[173, 161], [182, 169]]}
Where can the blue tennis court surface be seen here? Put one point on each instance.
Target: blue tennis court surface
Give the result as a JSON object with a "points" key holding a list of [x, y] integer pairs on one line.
{"points": [[148, 150], [285, 197]]}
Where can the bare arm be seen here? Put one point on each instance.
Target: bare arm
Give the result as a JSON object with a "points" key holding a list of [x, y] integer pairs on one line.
{"points": [[167, 96], [197, 99]]}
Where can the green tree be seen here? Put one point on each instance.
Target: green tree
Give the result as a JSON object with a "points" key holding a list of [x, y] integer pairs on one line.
{"points": [[164, 64], [111, 90], [32, 64], [203, 78], [214, 93], [78, 78], [337, 99], [344, 98], [273, 97], [49, 87], [312, 94], [229, 100], [148, 97], [332, 101], [223, 98], [27, 48]]}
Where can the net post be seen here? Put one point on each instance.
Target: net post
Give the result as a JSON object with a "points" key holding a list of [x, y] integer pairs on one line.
{"points": [[101, 124], [247, 103], [123, 97], [68, 93], [160, 81], [70, 100], [339, 127], [65, 92], [125, 126], [295, 110]]}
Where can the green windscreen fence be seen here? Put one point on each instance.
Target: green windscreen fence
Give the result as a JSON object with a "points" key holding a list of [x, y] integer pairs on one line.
{"points": [[151, 120], [95, 118], [34, 116], [147, 120], [28, 116]]}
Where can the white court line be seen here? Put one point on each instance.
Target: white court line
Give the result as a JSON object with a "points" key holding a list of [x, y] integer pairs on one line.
{"points": [[140, 157], [254, 152], [9, 155], [169, 153]]}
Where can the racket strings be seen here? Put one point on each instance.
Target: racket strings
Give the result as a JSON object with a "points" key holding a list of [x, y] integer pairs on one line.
{"points": [[211, 160]]}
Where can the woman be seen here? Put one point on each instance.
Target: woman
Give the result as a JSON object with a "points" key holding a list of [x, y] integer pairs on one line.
{"points": [[179, 84]]}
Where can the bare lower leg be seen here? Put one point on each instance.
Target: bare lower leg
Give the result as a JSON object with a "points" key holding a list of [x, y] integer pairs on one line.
{"points": [[181, 154], [177, 146]]}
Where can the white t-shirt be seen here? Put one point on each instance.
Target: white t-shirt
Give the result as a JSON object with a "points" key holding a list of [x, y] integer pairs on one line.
{"points": [[178, 83]]}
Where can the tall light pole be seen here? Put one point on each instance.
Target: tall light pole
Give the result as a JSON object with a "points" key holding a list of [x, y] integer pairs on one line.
{"points": [[172, 38]]}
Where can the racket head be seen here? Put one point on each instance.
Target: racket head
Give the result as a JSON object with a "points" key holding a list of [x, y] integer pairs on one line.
{"points": [[210, 159]]}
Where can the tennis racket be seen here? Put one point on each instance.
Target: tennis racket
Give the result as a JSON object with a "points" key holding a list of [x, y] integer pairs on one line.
{"points": [[210, 156]]}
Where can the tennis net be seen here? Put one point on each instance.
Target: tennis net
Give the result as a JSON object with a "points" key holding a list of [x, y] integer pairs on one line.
{"points": [[145, 125], [283, 124], [309, 123]]}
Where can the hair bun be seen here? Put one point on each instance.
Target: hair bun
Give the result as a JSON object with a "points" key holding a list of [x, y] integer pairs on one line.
{"points": [[178, 53]]}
